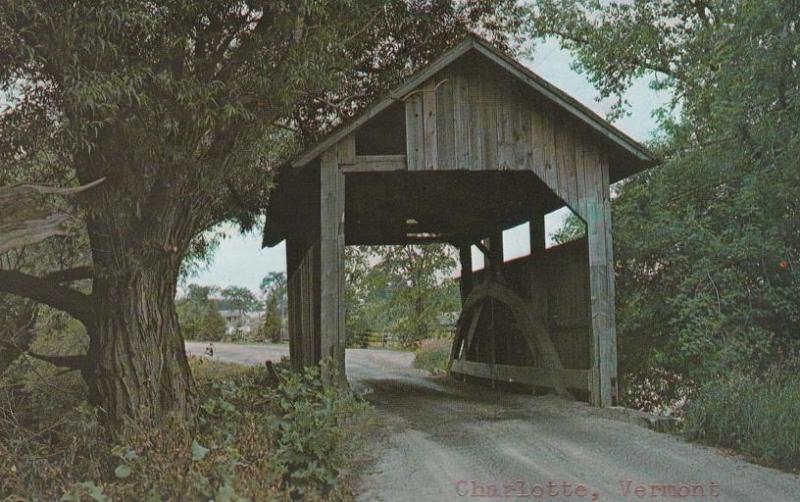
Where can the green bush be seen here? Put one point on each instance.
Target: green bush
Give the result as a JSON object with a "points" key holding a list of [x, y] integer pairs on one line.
{"points": [[757, 416], [260, 435], [432, 355]]}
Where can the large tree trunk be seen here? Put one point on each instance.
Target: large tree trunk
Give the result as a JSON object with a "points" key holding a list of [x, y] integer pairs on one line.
{"points": [[139, 228], [139, 366]]}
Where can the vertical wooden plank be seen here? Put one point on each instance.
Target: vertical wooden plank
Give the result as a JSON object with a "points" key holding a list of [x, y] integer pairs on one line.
{"points": [[565, 160], [312, 299], [505, 116], [461, 120], [539, 284], [331, 251], [445, 125], [475, 112], [489, 121], [581, 193], [415, 145], [537, 140], [495, 245], [292, 293], [522, 148], [465, 281], [302, 259], [548, 147], [537, 232], [430, 148], [571, 175]]}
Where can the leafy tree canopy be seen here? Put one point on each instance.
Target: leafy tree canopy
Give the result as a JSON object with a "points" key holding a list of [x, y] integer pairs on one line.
{"points": [[241, 299]]}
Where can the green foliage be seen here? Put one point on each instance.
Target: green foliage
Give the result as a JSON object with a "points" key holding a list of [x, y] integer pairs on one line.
{"points": [[239, 298], [199, 316], [403, 290], [257, 439], [366, 294], [756, 415], [273, 321], [707, 245], [274, 282], [274, 288], [432, 354], [201, 96], [304, 424], [572, 228]]}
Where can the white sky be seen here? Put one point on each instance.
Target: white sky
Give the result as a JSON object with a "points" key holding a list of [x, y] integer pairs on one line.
{"points": [[241, 261]]}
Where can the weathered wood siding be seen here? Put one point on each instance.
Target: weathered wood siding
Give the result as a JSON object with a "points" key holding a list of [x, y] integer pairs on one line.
{"points": [[302, 264], [473, 116]]}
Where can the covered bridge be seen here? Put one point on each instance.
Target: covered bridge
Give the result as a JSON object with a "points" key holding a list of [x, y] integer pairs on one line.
{"points": [[473, 144]]}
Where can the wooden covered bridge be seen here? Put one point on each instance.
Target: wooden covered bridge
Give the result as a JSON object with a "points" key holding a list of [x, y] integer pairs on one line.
{"points": [[472, 145]]}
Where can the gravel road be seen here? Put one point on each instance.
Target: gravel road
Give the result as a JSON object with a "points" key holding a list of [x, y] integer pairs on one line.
{"points": [[453, 441]]}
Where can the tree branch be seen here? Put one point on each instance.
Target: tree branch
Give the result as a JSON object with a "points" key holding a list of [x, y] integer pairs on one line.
{"points": [[644, 63], [79, 362], [69, 275], [48, 292]]}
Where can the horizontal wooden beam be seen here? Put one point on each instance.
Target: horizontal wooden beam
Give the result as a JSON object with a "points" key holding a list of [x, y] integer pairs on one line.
{"points": [[573, 379], [376, 163]]}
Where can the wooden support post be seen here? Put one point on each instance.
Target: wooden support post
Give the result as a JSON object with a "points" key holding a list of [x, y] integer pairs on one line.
{"points": [[538, 275], [495, 245], [537, 234], [601, 272], [465, 281], [332, 193]]}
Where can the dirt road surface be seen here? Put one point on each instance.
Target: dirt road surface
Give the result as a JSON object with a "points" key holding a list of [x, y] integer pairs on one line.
{"points": [[449, 441]]}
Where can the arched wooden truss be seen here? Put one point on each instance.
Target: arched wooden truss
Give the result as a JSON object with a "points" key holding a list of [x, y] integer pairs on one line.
{"points": [[533, 330]]}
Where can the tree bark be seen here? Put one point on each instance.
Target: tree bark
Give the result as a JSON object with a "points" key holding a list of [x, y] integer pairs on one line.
{"points": [[139, 367]]}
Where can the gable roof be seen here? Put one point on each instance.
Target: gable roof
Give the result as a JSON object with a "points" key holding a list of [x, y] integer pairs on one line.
{"points": [[475, 43]]}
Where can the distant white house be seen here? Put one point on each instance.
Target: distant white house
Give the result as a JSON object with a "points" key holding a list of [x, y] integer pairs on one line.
{"points": [[242, 322]]}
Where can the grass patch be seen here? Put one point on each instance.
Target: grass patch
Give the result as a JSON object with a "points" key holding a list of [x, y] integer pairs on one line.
{"points": [[756, 416], [256, 439], [432, 355]]}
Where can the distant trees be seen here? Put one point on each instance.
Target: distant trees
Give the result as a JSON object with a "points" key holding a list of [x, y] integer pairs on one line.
{"points": [[198, 315], [402, 290], [240, 299], [273, 321], [274, 289]]}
